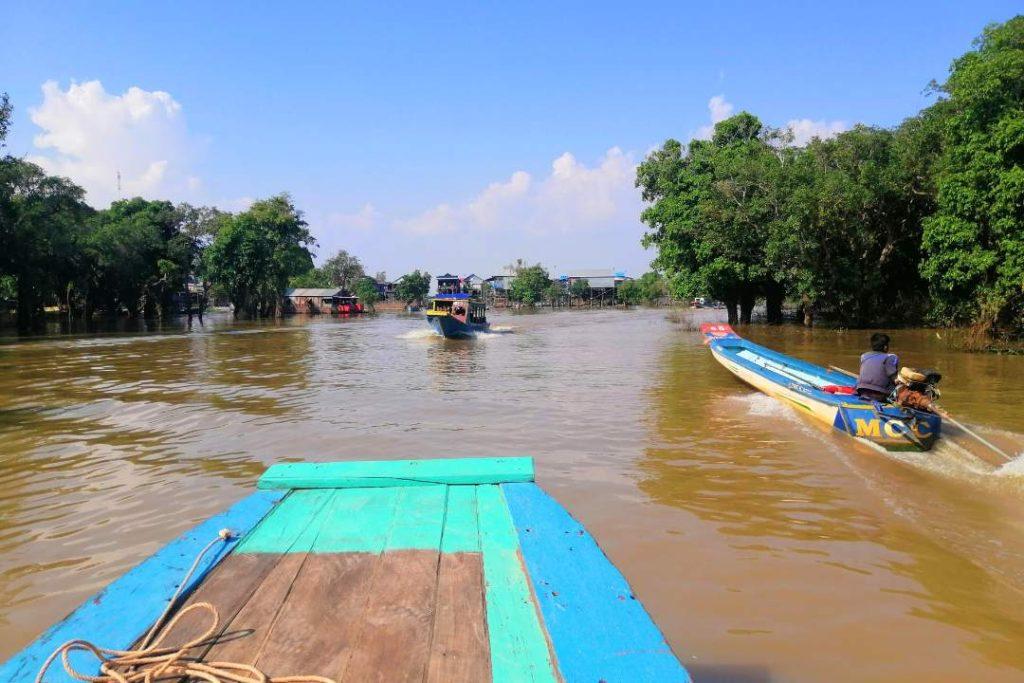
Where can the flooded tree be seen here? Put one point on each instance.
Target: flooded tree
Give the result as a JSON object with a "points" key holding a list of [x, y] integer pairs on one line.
{"points": [[140, 256], [710, 212], [257, 251]]}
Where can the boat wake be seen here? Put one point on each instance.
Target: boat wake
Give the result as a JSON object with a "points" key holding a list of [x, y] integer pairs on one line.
{"points": [[763, 405], [428, 333], [1014, 468], [954, 456], [495, 331], [421, 333], [957, 457]]}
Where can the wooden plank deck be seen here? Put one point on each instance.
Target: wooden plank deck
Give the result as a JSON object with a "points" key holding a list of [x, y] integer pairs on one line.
{"points": [[368, 584], [447, 576]]}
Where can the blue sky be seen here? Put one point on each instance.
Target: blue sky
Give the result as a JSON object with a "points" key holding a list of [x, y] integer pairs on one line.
{"points": [[448, 137]]}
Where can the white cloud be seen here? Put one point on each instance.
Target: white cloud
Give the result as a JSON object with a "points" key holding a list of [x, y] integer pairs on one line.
{"points": [[805, 130], [90, 135], [490, 205], [235, 204], [366, 218], [574, 197], [719, 110]]}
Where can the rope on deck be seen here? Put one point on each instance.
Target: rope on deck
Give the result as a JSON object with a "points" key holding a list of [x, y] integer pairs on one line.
{"points": [[149, 662]]}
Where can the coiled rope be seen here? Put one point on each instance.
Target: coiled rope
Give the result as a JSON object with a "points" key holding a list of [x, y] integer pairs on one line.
{"points": [[150, 662]]}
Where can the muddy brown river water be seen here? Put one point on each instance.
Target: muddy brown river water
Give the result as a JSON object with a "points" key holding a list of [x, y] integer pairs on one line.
{"points": [[768, 548]]}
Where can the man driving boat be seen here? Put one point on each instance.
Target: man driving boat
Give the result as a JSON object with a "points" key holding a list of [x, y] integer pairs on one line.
{"points": [[878, 369]]}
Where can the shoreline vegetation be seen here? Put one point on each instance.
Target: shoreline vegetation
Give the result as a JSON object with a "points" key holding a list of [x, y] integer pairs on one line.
{"points": [[921, 224], [918, 224]]}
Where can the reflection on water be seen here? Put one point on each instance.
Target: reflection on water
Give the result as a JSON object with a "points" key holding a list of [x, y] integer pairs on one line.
{"points": [[767, 547], [453, 364]]}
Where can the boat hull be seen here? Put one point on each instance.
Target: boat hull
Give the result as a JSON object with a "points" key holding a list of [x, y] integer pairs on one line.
{"points": [[798, 384], [453, 328], [380, 571]]}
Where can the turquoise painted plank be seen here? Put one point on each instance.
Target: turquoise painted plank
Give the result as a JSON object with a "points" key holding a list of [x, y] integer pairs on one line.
{"points": [[352, 520], [419, 518], [292, 527], [385, 473], [599, 630], [461, 530], [519, 649], [357, 520], [120, 613]]}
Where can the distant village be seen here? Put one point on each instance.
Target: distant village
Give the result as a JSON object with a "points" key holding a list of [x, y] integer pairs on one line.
{"points": [[599, 284], [587, 287]]}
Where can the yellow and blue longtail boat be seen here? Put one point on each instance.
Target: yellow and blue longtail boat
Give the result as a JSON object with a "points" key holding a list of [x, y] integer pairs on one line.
{"points": [[457, 316], [825, 395], [407, 570]]}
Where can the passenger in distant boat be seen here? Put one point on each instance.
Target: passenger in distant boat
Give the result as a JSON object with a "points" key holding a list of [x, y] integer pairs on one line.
{"points": [[878, 369]]}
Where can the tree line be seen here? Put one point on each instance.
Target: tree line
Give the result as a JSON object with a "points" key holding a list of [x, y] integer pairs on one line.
{"points": [[923, 222], [138, 257]]}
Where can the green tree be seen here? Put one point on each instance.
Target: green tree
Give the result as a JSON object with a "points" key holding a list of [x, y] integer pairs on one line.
{"points": [[974, 242], [847, 241], [710, 213], [139, 254], [199, 225], [343, 270], [648, 289], [555, 293], [629, 293], [579, 288], [43, 229], [413, 287], [529, 285], [257, 251], [366, 290], [835, 224], [314, 277]]}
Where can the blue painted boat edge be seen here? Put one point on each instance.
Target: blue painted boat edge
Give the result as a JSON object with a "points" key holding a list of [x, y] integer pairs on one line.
{"points": [[120, 613], [599, 630], [726, 346], [724, 339]]}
